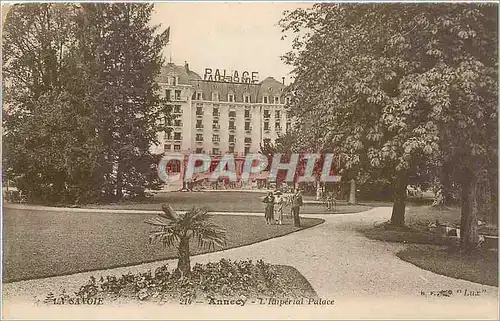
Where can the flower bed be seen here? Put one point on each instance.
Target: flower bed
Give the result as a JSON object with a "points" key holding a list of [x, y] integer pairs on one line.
{"points": [[225, 279]]}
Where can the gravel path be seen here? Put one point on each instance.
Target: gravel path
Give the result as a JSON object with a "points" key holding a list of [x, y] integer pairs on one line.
{"points": [[363, 276]]}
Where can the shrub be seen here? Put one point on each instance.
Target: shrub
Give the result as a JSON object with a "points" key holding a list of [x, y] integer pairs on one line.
{"points": [[223, 279]]}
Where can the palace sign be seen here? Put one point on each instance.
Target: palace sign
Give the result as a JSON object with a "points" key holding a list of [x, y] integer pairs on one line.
{"points": [[245, 77]]}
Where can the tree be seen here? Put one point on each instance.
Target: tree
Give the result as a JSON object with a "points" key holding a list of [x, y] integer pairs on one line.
{"points": [[179, 229], [376, 86], [47, 128], [82, 101], [121, 54]]}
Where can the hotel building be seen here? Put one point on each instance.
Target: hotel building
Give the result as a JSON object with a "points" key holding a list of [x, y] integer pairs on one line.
{"points": [[219, 117]]}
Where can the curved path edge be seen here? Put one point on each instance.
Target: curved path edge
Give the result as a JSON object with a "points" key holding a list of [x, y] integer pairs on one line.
{"points": [[338, 261]]}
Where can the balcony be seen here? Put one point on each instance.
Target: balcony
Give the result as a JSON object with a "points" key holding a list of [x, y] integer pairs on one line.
{"points": [[199, 128], [248, 131], [231, 143], [216, 116], [198, 141], [216, 128], [232, 129], [199, 116], [215, 142]]}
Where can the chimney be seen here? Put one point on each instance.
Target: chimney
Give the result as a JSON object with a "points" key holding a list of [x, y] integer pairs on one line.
{"points": [[283, 79], [186, 65]]}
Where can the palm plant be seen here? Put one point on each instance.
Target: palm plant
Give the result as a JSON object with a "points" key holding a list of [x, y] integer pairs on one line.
{"points": [[178, 229]]}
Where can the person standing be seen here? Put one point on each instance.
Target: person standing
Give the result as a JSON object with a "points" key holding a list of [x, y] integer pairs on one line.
{"points": [[297, 202], [278, 207], [269, 211]]}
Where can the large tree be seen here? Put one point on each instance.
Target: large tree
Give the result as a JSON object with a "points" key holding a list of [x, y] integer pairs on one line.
{"points": [[47, 129], [83, 105], [380, 85], [122, 58]]}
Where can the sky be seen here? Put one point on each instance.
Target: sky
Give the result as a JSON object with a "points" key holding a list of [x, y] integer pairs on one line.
{"points": [[231, 36]]}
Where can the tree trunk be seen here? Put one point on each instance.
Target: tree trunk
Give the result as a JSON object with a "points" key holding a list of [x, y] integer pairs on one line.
{"points": [[398, 208], [352, 193], [469, 237], [119, 183], [184, 263], [494, 198], [446, 188]]}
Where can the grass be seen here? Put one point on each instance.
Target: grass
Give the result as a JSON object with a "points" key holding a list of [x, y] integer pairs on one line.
{"points": [[437, 253], [226, 202], [480, 267], [38, 244]]}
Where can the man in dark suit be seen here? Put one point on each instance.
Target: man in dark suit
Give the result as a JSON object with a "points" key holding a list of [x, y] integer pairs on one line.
{"points": [[296, 204]]}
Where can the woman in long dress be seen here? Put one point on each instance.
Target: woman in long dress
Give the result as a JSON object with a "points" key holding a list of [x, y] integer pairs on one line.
{"points": [[269, 213], [278, 207]]}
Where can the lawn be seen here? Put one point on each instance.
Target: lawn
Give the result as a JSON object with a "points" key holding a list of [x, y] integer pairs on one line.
{"points": [[39, 244], [437, 253], [480, 267], [226, 202]]}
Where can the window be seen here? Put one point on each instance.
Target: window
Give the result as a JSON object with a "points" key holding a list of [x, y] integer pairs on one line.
{"points": [[177, 95], [231, 124], [199, 95], [177, 147], [231, 149], [247, 125], [230, 98], [248, 140], [232, 113], [215, 151], [247, 113], [168, 94], [247, 150], [267, 114], [167, 147], [177, 136], [277, 114], [199, 137], [246, 98], [277, 126], [215, 96], [168, 135], [267, 141], [288, 100], [215, 124], [265, 100], [231, 138], [177, 109], [177, 122], [266, 125], [288, 125], [174, 80], [199, 110], [215, 138], [215, 112], [199, 150], [199, 123], [276, 99], [175, 166]]}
